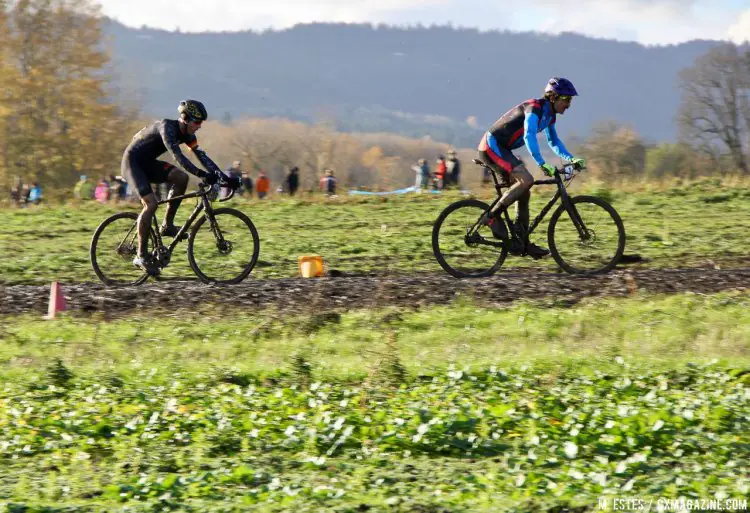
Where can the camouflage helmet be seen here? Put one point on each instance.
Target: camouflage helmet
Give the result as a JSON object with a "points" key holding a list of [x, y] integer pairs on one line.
{"points": [[192, 110]]}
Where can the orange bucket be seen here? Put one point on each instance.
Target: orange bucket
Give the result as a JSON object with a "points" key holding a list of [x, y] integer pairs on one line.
{"points": [[311, 266]]}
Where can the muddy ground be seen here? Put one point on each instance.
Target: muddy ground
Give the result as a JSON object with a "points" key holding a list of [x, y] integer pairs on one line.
{"points": [[296, 295]]}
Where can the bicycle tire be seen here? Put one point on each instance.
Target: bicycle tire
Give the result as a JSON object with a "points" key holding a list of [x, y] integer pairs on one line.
{"points": [[245, 268], [441, 253], [554, 244], [107, 278]]}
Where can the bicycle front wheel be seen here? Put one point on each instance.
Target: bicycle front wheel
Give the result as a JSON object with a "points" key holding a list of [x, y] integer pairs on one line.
{"points": [[461, 247], [223, 249], [588, 238], [113, 248]]}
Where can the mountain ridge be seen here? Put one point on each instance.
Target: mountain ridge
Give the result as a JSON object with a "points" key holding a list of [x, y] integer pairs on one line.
{"points": [[439, 81]]}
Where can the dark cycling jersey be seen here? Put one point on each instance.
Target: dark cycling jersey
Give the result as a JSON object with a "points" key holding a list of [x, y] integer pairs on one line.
{"points": [[139, 162], [519, 126]]}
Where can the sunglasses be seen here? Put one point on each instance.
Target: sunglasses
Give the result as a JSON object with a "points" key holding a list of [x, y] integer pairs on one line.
{"points": [[565, 98], [198, 122]]}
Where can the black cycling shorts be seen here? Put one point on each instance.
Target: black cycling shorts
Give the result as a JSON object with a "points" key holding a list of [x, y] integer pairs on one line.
{"points": [[140, 175]]}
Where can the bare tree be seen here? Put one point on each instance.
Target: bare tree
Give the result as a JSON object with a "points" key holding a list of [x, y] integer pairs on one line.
{"points": [[715, 111], [615, 151]]}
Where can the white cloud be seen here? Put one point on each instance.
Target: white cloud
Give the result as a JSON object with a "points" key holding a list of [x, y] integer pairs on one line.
{"points": [[740, 31], [638, 8], [199, 15], [645, 21]]}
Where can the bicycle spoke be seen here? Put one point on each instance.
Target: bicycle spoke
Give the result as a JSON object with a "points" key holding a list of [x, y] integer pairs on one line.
{"points": [[463, 248], [113, 249], [594, 248], [226, 251]]}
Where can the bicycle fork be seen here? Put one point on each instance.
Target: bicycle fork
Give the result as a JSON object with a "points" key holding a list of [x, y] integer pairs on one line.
{"points": [[222, 245], [575, 217]]}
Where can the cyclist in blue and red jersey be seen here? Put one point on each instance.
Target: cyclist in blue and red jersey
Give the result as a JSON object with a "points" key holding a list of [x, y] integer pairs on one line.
{"points": [[516, 128]]}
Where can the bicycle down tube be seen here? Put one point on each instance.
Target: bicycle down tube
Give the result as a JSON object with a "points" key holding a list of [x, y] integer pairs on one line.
{"points": [[185, 227]]}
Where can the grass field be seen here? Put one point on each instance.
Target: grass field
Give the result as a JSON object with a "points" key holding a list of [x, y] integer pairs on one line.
{"points": [[537, 406], [698, 224], [457, 408]]}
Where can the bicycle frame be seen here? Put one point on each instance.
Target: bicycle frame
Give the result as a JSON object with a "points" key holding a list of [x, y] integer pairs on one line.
{"points": [[202, 205], [561, 193]]}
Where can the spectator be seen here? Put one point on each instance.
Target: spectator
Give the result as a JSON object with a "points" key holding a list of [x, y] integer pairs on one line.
{"points": [[117, 188], [83, 189], [25, 193], [235, 173], [35, 194], [292, 180], [15, 191], [235, 170], [262, 185], [247, 185], [423, 174], [101, 192], [440, 170], [453, 166], [328, 183]]}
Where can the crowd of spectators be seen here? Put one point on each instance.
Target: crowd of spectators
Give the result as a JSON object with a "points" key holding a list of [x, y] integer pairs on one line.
{"points": [[447, 173], [114, 188]]}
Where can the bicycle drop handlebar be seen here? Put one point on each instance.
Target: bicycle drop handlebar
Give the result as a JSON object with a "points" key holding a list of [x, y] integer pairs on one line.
{"points": [[223, 182]]}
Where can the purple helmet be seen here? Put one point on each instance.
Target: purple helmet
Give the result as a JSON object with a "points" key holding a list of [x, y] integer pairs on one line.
{"points": [[561, 86]]}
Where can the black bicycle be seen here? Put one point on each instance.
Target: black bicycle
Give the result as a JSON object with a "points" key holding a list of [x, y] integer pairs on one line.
{"points": [[223, 245], [585, 234]]}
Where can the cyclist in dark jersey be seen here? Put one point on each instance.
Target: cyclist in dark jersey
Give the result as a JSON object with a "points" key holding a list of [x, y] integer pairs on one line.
{"points": [[519, 127], [141, 167]]}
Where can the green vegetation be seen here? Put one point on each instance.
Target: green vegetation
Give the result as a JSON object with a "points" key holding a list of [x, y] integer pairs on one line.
{"points": [[538, 406], [696, 224], [663, 331], [513, 440], [455, 408]]}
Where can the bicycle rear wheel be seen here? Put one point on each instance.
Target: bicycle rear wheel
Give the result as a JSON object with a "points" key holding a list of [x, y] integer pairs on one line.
{"points": [[113, 248], [588, 239], [462, 248], [225, 250]]}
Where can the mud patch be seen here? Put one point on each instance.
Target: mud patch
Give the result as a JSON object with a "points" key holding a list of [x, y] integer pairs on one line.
{"points": [[295, 295]]}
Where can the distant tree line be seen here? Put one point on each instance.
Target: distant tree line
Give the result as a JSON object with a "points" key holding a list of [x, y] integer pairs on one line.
{"points": [[59, 118]]}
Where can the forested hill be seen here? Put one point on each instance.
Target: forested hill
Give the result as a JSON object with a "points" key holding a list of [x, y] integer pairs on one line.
{"points": [[415, 81]]}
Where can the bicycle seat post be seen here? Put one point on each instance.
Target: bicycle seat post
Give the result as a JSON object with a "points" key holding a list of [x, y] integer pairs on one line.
{"points": [[498, 184]]}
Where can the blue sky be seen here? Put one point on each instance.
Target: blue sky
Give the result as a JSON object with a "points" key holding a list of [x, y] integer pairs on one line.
{"points": [[644, 21]]}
